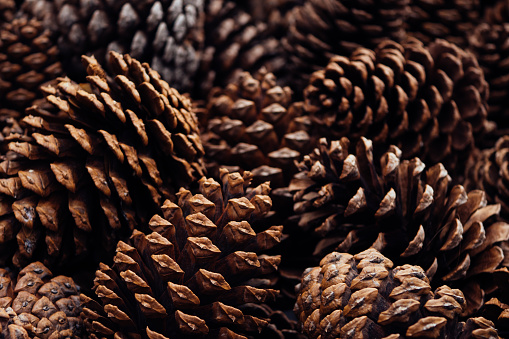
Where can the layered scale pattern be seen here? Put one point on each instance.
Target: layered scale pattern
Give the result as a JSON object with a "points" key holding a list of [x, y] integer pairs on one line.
{"points": [[38, 305], [107, 156], [430, 101], [364, 296], [403, 209], [199, 271]]}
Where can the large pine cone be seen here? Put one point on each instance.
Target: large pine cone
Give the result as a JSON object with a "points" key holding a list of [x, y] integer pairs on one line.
{"points": [[321, 29], [451, 20], [28, 59], [408, 212], [168, 34], [116, 148], [428, 101], [196, 273], [362, 296], [38, 305], [253, 125]]}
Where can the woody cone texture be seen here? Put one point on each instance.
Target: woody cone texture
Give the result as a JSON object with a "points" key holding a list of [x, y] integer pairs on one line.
{"points": [[429, 101], [103, 161], [253, 123], [28, 59], [38, 305], [364, 296], [403, 209], [198, 271]]}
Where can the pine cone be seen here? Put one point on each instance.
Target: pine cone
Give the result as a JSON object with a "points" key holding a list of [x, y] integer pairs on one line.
{"points": [[409, 213], [363, 296], [197, 273], [253, 125], [119, 146], [38, 305], [428, 101], [321, 29], [168, 34], [28, 59], [449, 20]]}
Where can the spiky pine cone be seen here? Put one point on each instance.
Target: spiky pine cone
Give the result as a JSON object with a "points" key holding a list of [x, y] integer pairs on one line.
{"points": [[319, 30], [363, 296], [351, 202], [429, 101], [167, 34], [38, 305], [120, 145], [253, 125], [449, 20], [196, 273], [28, 59]]}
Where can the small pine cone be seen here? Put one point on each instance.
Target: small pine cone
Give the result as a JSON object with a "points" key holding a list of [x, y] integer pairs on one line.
{"points": [[319, 30], [167, 34], [38, 305], [407, 212], [28, 59], [362, 296], [451, 20], [428, 101], [197, 272], [253, 125], [85, 176]]}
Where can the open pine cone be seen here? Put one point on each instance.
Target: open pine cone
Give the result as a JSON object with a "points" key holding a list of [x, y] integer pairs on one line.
{"points": [[38, 305], [28, 59], [408, 212], [362, 296], [116, 148], [198, 271], [168, 34], [429, 101]]}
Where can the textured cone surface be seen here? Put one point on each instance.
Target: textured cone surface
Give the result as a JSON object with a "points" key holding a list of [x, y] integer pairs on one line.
{"points": [[167, 34], [429, 101], [450, 20], [320, 29], [254, 125], [28, 59], [117, 147], [363, 296], [198, 272], [236, 41], [407, 211], [38, 305]]}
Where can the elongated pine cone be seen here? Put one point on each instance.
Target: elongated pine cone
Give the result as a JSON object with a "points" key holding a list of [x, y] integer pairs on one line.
{"points": [[167, 34], [319, 30], [116, 148], [38, 305], [403, 209], [28, 59], [428, 101], [198, 271], [253, 125], [362, 296]]}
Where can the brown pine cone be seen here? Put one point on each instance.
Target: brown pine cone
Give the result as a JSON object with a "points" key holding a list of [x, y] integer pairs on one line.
{"points": [[197, 272], [86, 176], [254, 125], [320, 29], [451, 20], [38, 305], [429, 101], [28, 59], [362, 296], [168, 34], [351, 202]]}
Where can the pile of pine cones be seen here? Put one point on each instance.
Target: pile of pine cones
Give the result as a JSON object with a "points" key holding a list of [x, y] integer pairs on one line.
{"points": [[234, 169]]}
